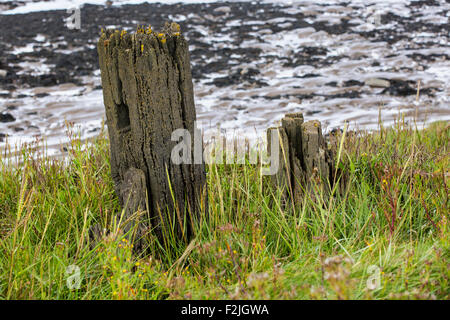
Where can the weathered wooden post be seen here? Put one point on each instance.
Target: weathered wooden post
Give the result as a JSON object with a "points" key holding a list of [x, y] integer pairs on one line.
{"points": [[303, 155], [148, 93]]}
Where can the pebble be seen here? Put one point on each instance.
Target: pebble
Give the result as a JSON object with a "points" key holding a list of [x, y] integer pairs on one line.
{"points": [[223, 9], [378, 83], [6, 117]]}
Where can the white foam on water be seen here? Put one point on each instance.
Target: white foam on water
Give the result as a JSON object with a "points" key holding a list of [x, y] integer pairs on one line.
{"points": [[28, 48], [68, 4], [396, 6]]}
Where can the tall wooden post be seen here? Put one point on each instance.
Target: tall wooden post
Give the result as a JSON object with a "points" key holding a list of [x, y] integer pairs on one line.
{"points": [[148, 93]]}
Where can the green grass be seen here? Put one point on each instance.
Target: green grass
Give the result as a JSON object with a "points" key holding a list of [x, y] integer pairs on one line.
{"points": [[391, 219]]}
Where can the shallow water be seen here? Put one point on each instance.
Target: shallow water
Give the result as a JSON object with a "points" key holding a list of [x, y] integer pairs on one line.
{"points": [[251, 68]]}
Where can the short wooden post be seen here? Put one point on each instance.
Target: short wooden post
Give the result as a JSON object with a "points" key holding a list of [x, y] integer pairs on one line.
{"points": [[148, 93], [303, 156]]}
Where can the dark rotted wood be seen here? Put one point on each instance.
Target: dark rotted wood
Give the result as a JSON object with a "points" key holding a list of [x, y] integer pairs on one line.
{"points": [[148, 93], [133, 194], [304, 156]]}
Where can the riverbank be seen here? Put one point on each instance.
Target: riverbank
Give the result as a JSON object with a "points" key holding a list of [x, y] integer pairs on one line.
{"points": [[385, 237]]}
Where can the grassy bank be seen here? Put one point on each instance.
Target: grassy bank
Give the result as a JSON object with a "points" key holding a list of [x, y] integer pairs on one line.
{"points": [[386, 236]]}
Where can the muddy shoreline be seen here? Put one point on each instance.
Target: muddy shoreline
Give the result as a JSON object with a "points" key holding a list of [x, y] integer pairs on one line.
{"points": [[245, 66]]}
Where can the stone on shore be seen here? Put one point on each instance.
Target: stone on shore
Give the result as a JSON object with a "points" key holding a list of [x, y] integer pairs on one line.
{"points": [[377, 83]]}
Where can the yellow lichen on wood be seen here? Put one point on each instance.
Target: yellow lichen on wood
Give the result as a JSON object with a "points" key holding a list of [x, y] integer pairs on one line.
{"points": [[162, 37], [169, 30], [140, 29], [175, 27]]}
